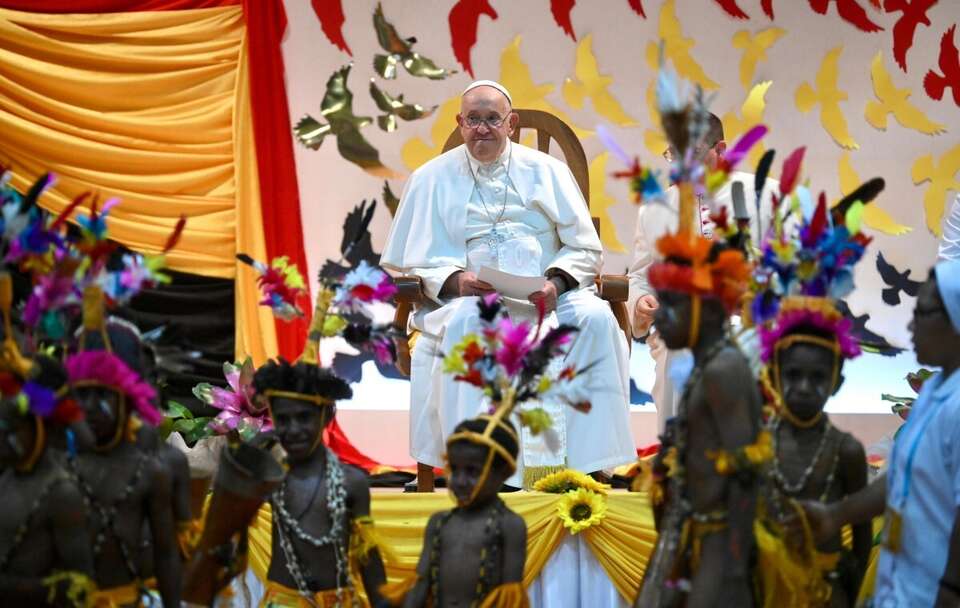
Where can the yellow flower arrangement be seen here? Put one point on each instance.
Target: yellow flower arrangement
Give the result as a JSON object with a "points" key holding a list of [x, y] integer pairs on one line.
{"points": [[569, 480], [579, 509]]}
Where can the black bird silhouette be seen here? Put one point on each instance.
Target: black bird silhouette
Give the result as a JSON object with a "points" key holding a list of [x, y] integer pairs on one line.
{"points": [[355, 244], [896, 282], [869, 341]]}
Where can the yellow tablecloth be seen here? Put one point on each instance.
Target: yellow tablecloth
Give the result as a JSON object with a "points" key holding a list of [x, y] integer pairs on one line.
{"points": [[621, 542]]}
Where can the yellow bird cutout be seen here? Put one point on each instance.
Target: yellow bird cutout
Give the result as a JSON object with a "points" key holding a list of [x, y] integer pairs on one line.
{"points": [[754, 47], [828, 95], [942, 178], [600, 203], [895, 101], [751, 114], [589, 82], [873, 216], [677, 49], [515, 75]]}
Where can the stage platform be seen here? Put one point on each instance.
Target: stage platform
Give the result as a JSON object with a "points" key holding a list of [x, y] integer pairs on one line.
{"points": [[600, 567]]}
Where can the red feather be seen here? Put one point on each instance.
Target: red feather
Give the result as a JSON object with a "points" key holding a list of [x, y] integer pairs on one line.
{"points": [[637, 7], [935, 84], [463, 20], [819, 221], [767, 6], [330, 14], [912, 14], [849, 11], [177, 233], [731, 8], [561, 14], [67, 211], [790, 173]]}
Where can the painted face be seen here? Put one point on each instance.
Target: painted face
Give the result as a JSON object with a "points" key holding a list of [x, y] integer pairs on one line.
{"points": [[486, 122], [806, 379], [299, 425], [466, 462], [930, 323], [672, 319], [103, 412]]}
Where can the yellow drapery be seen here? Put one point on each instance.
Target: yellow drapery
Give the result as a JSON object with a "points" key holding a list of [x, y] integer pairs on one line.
{"points": [[621, 542], [151, 107]]}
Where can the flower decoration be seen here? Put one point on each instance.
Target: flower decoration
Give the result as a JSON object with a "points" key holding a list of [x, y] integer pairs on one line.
{"points": [[902, 405], [281, 284], [239, 411], [106, 369], [362, 286], [510, 364], [581, 509], [569, 480]]}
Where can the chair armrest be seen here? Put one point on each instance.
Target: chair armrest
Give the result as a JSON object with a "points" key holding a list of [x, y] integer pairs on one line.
{"points": [[409, 289], [613, 287]]}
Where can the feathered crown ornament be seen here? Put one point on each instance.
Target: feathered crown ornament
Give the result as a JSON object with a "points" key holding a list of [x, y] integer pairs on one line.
{"points": [[806, 266], [510, 363]]}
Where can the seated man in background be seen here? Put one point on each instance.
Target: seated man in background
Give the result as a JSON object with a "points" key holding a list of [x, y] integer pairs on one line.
{"points": [[656, 220], [494, 203]]}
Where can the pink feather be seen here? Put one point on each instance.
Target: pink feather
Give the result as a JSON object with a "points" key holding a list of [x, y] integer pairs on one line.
{"points": [[740, 149], [791, 171]]}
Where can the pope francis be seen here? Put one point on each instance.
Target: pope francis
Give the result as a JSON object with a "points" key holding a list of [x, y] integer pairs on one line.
{"points": [[493, 203]]}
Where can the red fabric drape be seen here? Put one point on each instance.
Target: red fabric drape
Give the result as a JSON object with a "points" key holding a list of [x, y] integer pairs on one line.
{"points": [[280, 199]]}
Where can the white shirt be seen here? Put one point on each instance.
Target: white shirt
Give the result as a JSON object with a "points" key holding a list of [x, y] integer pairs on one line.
{"points": [[950, 236]]}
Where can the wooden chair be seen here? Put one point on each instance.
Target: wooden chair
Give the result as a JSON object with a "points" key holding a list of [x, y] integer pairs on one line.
{"points": [[612, 288]]}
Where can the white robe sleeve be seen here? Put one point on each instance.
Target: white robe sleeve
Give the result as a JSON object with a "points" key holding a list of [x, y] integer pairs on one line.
{"points": [[950, 238], [653, 221], [561, 200], [420, 241]]}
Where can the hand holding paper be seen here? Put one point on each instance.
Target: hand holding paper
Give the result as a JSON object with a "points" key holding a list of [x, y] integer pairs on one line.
{"points": [[511, 285]]}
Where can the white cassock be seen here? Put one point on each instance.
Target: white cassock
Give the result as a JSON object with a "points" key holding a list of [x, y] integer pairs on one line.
{"points": [[949, 248], [657, 219], [444, 224]]}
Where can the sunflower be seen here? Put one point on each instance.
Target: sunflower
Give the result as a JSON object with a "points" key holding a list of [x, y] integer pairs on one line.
{"points": [[569, 480], [579, 509]]}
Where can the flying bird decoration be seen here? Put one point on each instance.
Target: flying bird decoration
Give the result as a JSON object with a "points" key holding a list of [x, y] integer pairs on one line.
{"points": [[637, 7], [400, 51], [873, 215], [936, 84], [754, 47], [355, 244], [828, 96], [394, 108], [590, 83], [731, 8], [896, 281], [751, 114], [895, 101], [391, 200], [416, 151], [942, 178], [869, 341], [463, 20], [912, 14], [848, 10], [767, 7], [342, 123], [560, 9], [600, 203], [330, 14], [678, 49]]}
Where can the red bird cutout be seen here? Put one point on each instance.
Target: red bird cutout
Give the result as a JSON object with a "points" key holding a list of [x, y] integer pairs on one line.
{"points": [[561, 14], [463, 20], [731, 8], [849, 11], [330, 14], [912, 14], [767, 6], [637, 7], [935, 84]]}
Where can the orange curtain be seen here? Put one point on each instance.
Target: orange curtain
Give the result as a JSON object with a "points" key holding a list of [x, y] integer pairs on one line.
{"points": [[152, 107]]}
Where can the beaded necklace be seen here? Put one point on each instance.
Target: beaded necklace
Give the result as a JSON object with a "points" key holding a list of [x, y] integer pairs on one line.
{"points": [[286, 526], [795, 488], [24, 526], [108, 512], [489, 554]]}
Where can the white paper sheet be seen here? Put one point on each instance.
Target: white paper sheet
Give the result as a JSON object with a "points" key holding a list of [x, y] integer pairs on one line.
{"points": [[510, 285]]}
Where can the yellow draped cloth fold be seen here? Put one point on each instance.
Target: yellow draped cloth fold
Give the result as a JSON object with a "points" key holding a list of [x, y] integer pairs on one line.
{"points": [[151, 107], [622, 542]]}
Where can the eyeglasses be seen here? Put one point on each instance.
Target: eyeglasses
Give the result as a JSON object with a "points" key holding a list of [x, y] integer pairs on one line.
{"points": [[670, 154], [474, 122]]}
